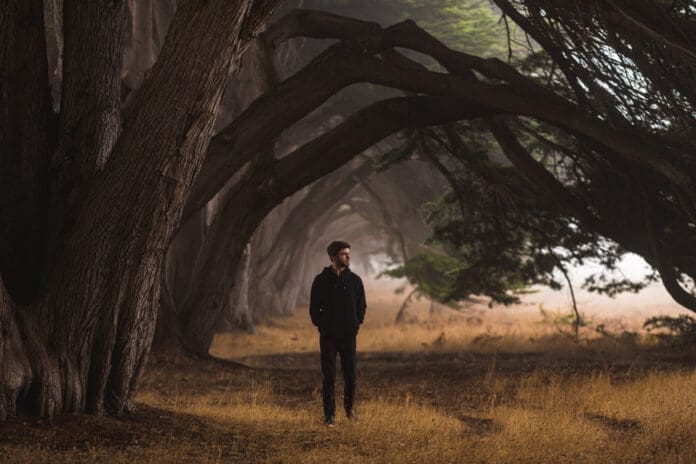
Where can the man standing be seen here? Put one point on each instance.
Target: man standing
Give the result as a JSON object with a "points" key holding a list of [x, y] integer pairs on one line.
{"points": [[337, 307]]}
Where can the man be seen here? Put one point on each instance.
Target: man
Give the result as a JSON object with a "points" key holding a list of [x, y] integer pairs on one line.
{"points": [[337, 308]]}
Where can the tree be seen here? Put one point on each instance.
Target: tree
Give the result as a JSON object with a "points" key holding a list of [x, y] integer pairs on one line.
{"points": [[495, 85], [197, 317], [568, 193], [92, 196], [92, 199]]}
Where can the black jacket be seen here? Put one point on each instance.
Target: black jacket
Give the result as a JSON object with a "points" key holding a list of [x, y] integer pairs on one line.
{"points": [[337, 303]]}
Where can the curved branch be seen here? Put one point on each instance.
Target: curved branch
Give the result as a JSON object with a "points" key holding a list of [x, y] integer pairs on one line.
{"points": [[665, 266], [344, 64], [669, 278], [537, 174], [323, 195], [318, 25], [387, 219], [264, 119]]}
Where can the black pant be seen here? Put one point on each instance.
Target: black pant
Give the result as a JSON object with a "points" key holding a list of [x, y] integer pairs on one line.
{"points": [[346, 348]]}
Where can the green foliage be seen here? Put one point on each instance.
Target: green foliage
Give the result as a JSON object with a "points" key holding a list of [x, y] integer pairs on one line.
{"points": [[495, 259], [679, 330], [561, 320], [477, 253], [395, 155], [471, 26], [603, 283], [495, 233], [434, 274], [467, 25]]}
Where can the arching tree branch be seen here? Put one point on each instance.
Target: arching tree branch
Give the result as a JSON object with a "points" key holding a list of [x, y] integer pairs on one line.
{"points": [[344, 64]]}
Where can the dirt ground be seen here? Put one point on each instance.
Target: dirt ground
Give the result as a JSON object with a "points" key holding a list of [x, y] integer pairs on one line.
{"points": [[432, 390]]}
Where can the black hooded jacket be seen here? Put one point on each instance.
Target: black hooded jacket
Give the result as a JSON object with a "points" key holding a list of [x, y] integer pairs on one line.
{"points": [[337, 303]]}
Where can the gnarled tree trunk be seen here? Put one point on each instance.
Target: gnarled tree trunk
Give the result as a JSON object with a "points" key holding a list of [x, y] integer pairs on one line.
{"points": [[80, 342]]}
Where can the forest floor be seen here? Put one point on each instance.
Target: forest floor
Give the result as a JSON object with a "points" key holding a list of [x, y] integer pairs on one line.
{"points": [[449, 387]]}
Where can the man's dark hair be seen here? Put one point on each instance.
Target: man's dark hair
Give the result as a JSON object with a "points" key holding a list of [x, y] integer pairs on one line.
{"points": [[335, 247]]}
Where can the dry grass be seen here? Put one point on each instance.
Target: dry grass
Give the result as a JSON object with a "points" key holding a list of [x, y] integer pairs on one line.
{"points": [[487, 391], [474, 330]]}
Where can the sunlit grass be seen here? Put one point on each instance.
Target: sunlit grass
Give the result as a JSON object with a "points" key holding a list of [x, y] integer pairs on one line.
{"points": [[478, 330], [585, 418], [650, 419], [457, 398]]}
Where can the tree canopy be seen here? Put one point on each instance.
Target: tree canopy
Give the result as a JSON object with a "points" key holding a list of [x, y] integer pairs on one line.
{"points": [[533, 195]]}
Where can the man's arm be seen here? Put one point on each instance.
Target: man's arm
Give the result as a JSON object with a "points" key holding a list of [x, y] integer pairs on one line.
{"points": [[362, 304], [315, 308]]}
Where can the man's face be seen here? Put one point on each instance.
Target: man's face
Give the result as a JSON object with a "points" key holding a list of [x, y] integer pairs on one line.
{"points": [[342, 260]]}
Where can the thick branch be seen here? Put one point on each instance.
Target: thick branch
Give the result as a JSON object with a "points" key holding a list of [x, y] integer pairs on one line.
{"points": [[537, 174], [90, 119], [267, 117], [342, 65], [389, 222], [323, 194], [365, 128], [662, 261], [409, 35], [319, 25], [671, 282]]}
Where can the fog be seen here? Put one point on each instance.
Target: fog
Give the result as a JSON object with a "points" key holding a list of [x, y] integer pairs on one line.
{"points": [[652, 301]]}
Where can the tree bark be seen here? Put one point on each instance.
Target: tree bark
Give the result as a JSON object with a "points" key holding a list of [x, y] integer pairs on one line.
{"points": [[14, 364], [98, 309], [26, 136], [238, 310], [215, 269], [178, 265]]}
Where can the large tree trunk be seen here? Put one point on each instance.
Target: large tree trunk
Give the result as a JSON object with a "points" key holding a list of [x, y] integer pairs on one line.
{"points": [[173, 330], [178, 264], [238, 311], [213, 276], [98, 305]]}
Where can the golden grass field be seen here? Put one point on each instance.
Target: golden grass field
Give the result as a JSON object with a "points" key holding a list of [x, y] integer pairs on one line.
{"points": [[452, 387]]}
